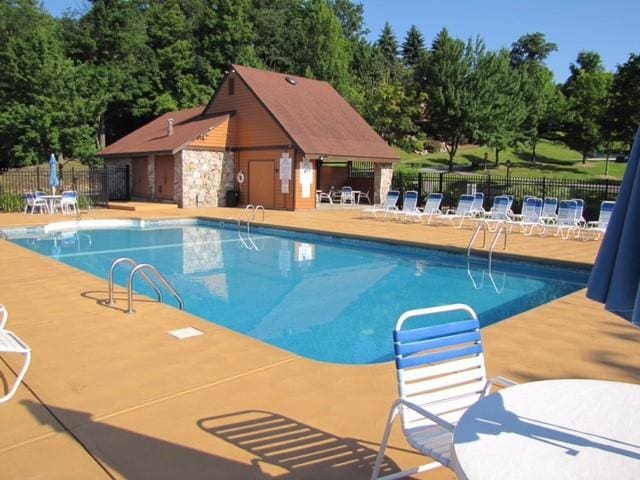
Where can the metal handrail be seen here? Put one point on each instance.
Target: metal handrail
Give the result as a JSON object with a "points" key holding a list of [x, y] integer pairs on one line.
{"points": [[482, 225], [501, 229], [147, 266], [134, 264], [248, 208]]}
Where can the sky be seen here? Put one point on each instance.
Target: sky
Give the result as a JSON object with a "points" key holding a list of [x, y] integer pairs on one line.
{"points": [[609, 27]]}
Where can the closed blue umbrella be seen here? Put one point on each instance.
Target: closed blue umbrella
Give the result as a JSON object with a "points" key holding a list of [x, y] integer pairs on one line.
{"points": [[53, 173], [615, 277]]}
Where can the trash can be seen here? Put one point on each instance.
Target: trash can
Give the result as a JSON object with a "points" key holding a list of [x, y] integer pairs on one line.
{"points": [[231, 198]]}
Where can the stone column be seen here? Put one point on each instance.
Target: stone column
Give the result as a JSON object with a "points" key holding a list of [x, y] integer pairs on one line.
{"points": [[382, 175]]}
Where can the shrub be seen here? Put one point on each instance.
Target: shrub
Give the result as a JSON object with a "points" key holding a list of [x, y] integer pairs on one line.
{"points": [[11, 202]]}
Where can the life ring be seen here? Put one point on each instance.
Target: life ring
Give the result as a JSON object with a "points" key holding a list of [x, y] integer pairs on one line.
{"points": [[240, 177]]}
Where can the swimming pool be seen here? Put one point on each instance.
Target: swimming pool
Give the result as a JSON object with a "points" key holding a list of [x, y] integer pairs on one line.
{"points": [[324, 297]]}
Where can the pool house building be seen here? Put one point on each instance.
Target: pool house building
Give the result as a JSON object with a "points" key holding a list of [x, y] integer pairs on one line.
{"points": [[264, 138]]}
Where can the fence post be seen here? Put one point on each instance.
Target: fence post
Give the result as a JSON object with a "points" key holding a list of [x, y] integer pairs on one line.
{"points": [[38, 177], [419, 188], [606, 189], [544, 187], [440, 186]]}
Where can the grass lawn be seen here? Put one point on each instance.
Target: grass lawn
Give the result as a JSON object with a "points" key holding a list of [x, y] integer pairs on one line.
{"points": [[553, 160]]}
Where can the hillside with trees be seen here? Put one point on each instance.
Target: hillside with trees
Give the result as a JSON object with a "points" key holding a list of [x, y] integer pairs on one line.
{"points": [[74, 84]]}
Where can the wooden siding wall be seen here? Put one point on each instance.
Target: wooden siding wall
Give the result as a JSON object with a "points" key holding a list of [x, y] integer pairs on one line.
{"points": [[218, 138], [254, 125]]}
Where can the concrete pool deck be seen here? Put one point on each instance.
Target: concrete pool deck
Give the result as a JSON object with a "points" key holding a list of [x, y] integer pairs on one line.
{"points": [[111, 395]]}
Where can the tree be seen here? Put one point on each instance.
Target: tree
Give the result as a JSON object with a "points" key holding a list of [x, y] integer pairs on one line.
{"points": [[587, 91], [527, 56], [624, 113], [531, 48], [413, 47], [388, 45], [327, 52], [41, 109], [501, 110], [447, 73]]}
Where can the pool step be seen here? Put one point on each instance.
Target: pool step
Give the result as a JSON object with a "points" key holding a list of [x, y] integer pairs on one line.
{"points": [[140, 206]]}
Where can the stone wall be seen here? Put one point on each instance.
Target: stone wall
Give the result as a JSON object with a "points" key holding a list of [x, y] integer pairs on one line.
{"points": [[382, 175], [203, 178]]}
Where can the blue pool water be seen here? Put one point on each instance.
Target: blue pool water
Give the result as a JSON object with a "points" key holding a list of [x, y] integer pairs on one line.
{"points": [[327, 298]]}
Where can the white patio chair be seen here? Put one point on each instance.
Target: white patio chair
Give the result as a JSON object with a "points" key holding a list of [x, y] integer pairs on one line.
{"points": [[68, 203], [409, 205], [347, 196], [389, 205], [462, 211], [431, 209], [596, 228], [10, 343], [531, 217], [33, 202], [440, 372], [567, 221], [365, 196]]}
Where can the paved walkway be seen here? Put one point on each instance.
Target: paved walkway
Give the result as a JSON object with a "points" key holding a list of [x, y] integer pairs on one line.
{"points": [[113, 396]]}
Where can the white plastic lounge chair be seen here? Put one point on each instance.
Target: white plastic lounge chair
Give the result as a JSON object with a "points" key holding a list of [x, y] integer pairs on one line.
{"points": [[347, 196], [440, 373], [33, 202], [389, 205], [11, 343], [409, 205], [596, 228], [567, 221], [531, 216], [549, 210], [462, 211], [431, 209], [477, 208], [498, 214], [579, 212]]}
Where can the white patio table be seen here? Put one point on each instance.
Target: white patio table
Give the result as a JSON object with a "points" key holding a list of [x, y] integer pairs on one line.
{"points": [[554, 429], [51, 200]]}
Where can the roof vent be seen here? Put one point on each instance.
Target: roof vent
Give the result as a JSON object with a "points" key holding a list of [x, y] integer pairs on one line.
{"points": [[170, 126], [290, 80]]}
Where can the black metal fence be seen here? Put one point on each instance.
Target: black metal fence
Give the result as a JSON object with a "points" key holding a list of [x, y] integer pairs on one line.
{"points": [[452, 185], [95, 186]]}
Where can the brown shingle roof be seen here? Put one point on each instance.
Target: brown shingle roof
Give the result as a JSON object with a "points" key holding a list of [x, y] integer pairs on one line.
{"points": [[315, 116], [153, 137]]}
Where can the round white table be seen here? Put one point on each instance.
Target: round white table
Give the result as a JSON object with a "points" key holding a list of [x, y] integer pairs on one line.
{"points": [[554, 429]]}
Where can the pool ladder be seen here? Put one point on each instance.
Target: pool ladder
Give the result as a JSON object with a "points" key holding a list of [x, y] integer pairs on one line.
{"points": [[142, 269], [249, 215], [484, 228]]}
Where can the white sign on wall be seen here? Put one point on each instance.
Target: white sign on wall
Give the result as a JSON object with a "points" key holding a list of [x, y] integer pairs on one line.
{"points": [[285, 166], [306, 178]]}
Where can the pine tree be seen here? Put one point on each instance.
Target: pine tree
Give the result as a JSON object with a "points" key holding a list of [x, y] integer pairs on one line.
{"points": [[413, 47]]}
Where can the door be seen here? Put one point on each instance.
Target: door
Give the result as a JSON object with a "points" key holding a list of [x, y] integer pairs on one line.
{"points": [[164, 177], [140, 177], [262, 183]]}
